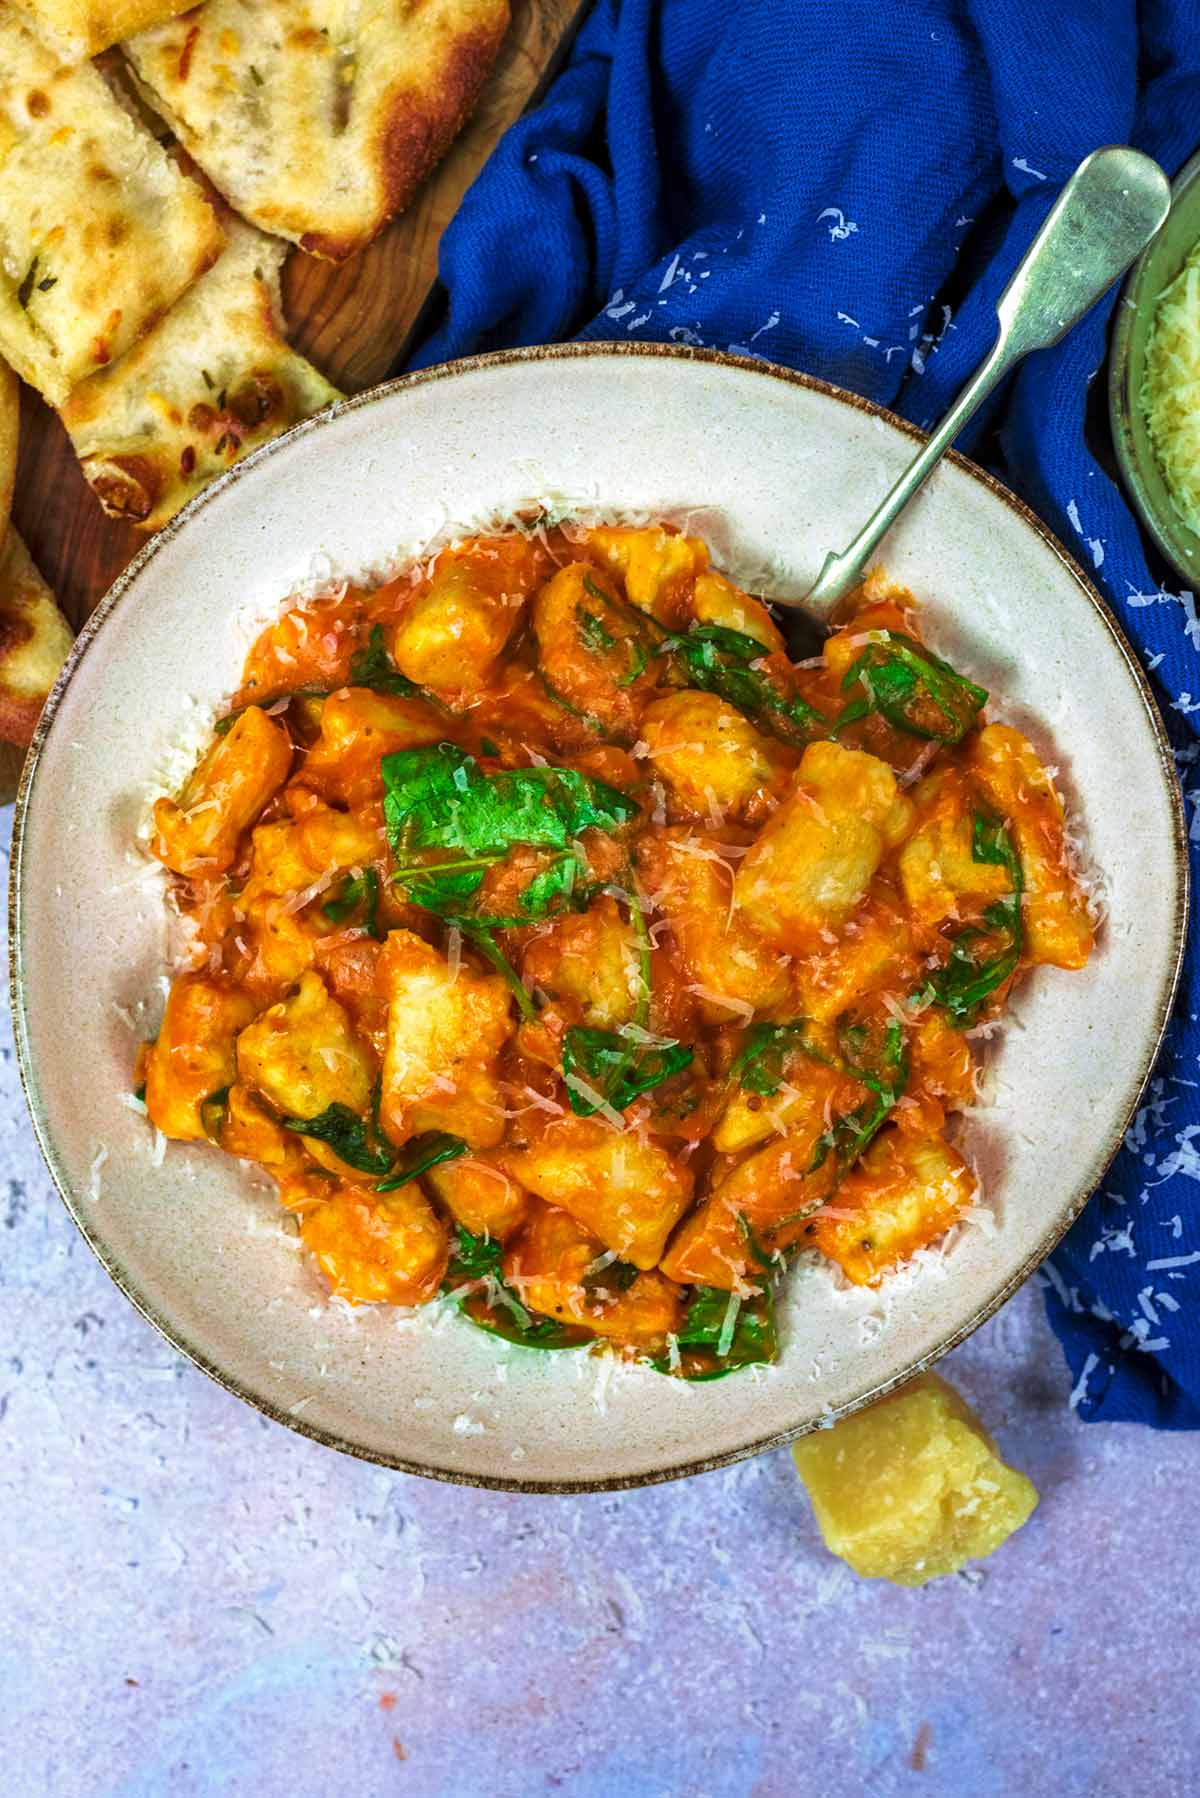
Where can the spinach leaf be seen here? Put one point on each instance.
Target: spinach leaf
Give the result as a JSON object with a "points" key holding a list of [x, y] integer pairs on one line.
{"points": [[486, 944], [349, 1136], [983, 959], [613, 1277], [499, 1311], [495, 1307], [373, 667], [358, 892], [213, 1111], [723, 661], [224, 725], [633, 647], [418, 1156], [915, 690], [439, 798], [721, 1333], [474, 1258], [616, 1066], [758, 1066], [883, 1069]]}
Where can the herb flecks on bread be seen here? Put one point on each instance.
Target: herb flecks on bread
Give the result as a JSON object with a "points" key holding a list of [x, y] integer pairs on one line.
{"points": [[210, 383], [316, 120]]}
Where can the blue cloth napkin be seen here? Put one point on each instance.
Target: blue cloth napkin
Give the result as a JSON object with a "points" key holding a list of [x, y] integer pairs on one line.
{"points": [[845, 188]]}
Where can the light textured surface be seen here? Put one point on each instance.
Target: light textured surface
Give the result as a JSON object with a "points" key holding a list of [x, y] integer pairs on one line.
{"points": [[199, 1603]]}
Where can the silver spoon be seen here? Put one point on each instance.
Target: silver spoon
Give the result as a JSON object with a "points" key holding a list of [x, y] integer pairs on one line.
{"points": [[1103, 218]]}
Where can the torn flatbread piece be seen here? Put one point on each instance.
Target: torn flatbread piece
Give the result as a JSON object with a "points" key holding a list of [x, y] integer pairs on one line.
{"points": [[99, 230], [212, 381], [318, 119], [82, 28], [34, 640]]}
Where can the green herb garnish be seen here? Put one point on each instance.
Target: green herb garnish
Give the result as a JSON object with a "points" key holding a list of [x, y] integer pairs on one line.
{"points": [[358, 892], [916, 691], [983, 959]]}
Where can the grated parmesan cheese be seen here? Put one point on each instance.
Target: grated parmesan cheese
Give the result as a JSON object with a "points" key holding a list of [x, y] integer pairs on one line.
{"points": [[1170, 395]]}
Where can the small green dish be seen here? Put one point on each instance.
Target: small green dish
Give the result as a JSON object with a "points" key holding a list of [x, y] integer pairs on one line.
{"points": [[1152, 273]]}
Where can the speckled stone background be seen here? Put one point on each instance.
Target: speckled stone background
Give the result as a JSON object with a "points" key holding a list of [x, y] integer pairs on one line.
{"points": [[195, 1602]]}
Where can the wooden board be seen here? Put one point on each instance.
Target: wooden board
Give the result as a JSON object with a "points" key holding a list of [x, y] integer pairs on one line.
{"points": [[352, 321]]}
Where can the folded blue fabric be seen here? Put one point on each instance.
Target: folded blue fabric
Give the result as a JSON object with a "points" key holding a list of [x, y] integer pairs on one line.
{"points": [[846, 189]]}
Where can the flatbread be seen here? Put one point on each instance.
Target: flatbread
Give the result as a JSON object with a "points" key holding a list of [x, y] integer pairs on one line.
{"points": [[318, 119], [99, 231], [10, 426], [34, 640], [213, 380], [82, 28]]}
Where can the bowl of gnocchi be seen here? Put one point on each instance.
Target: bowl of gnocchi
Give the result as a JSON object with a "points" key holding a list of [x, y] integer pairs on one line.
{"points": [[497, 1010]]}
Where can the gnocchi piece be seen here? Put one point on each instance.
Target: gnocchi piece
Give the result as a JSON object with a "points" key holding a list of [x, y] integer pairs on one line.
{"points": [[593, 662], [716, 600], [905, 1192], [228, 789], [657, 566], [624, 1188], [812, 864], [358, 728], [451, 635], [941, 1074], [591, 960], [446, 1028], [194, 1056], [874, 952], [480, 1196], [808, 1088], [1058, 927], [378, 1248], [303, 1056], [557, 1269], [279, 938], [712, 760], [729, 966], [249, 1131], [299, 853], [937, 867], [759, 1208]]}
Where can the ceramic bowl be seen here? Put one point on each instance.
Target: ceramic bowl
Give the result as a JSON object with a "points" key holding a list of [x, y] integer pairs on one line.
{"points": [[1153, 272], [774, 469]]}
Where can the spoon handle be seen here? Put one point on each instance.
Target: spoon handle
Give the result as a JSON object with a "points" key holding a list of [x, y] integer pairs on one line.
{"points": [[1103, 218]]}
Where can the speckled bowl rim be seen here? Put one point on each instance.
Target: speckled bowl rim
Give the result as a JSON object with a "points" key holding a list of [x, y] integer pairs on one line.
{"points": [[1067, 1212], [1167, 529]]}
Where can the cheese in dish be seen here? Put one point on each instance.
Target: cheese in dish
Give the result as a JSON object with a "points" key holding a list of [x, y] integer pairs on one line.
{"points": [[559, 945]]}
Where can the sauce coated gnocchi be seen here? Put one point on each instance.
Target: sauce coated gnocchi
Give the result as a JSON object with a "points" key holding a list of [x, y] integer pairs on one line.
{"points": [[557, 944]]}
